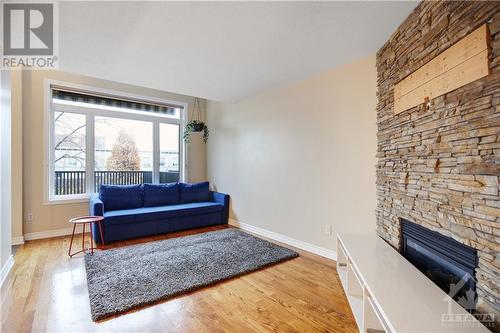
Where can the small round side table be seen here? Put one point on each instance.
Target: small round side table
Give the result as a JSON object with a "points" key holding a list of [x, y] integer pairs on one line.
{"points": [[84, 220]]}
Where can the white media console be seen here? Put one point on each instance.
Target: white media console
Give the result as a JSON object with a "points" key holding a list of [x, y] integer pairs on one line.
{"points": [[388, 294]]}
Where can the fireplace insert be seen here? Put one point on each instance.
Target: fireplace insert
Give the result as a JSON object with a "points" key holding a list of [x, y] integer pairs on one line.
{"points": [[448, 263]]}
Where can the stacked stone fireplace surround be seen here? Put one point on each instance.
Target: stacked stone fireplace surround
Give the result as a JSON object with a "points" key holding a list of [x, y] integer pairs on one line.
{"points": [[440, 167]]}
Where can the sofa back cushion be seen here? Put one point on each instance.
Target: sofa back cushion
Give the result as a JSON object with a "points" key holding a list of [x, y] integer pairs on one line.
{"points": [[116, 197], [160, 194], [195, 192]]}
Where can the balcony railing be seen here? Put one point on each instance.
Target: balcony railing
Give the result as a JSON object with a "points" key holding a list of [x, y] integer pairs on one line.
{"points": [[73, 182]]}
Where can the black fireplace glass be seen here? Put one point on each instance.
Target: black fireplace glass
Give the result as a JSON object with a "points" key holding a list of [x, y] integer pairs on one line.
{"points": [[443, 260]]}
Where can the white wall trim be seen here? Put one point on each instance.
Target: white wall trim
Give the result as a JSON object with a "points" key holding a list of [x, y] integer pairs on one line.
{"points": [[48, 234], [6, 269], [321, 251], [18, 240]]}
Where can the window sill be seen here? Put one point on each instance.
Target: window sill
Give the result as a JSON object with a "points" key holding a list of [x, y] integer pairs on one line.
{"points": [[67, 200]]}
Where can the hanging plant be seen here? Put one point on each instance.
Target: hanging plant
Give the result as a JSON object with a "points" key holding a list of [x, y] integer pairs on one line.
{"points": [[196, 125]]}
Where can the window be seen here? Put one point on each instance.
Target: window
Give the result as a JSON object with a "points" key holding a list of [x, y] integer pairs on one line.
{"points": [[103, 139], [69, 153], [169, 153], [123, 151]]}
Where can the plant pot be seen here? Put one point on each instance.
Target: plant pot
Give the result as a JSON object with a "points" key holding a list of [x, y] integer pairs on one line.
{"points": [[198, 127]]}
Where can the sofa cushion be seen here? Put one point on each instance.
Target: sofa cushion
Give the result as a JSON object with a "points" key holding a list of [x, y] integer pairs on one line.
{"points": [[196, 192], [143, 214], [160, 194], [117, 197]]}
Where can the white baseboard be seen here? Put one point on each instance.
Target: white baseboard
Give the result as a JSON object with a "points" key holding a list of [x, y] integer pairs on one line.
{"points": [[330, 254], [48, 234], [6, 269], [19, 240]]}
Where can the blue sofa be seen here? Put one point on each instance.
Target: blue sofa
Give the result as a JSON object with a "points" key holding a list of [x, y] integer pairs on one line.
{"points": [[132, 211]]}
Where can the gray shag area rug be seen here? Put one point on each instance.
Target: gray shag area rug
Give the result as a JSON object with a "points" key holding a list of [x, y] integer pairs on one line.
{"points": [[127, 278]]}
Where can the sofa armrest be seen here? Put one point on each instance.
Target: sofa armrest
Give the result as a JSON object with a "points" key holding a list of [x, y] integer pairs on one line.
{"points": [[96, 206], [223, 199]]}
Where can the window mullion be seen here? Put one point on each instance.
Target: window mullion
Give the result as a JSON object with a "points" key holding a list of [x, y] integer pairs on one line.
{"points": [[156, 152], [51, 152], [90, 154], [183, 161]]}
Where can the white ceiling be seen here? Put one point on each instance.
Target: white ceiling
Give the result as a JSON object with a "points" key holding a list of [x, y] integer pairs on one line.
{"points": [[224, 51]]}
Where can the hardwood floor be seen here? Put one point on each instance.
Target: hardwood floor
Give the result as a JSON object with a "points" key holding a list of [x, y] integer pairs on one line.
{"points": [[47, 292]]}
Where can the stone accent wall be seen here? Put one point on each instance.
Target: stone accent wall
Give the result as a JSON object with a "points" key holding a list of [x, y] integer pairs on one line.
{"points": [[440, 168]]}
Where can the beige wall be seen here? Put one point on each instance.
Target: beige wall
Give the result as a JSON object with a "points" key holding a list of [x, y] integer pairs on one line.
{"points": [[297, 158], [50, 217], [17, 155], [5, 170]]}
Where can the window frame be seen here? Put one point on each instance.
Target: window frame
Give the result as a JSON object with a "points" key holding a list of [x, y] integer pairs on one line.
{"points": [[49, 129]]}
